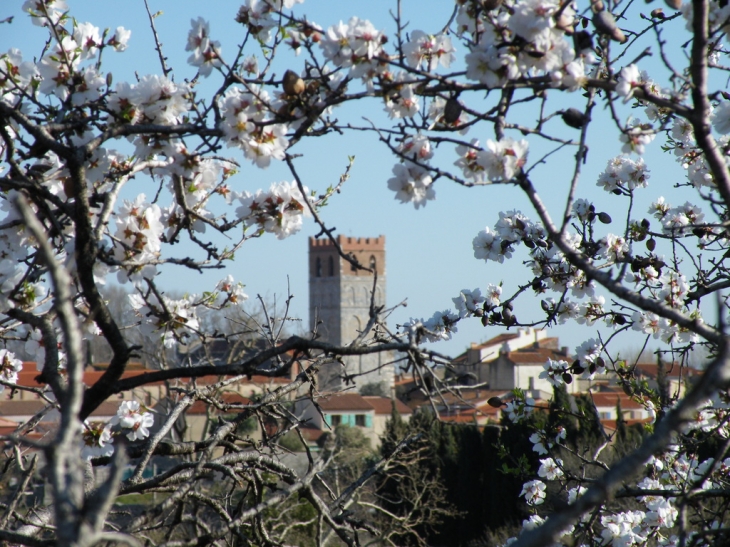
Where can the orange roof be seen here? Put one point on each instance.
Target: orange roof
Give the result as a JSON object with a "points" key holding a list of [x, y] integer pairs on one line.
{"points": [[477, 397], [403, 379], [312, 434], [27, 377], [462, 418], [608, 399], [228, 398], [673, 371], [14, 407], [107, 408], [384, 405], [536, 356], [499, 339], [131, 365], [8, 423], [344, 401]]}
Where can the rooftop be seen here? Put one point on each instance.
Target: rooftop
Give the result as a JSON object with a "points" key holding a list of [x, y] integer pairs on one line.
{"points": [[499, 339], [534, 355], [605, 399], [344, 401], [384, 405]]}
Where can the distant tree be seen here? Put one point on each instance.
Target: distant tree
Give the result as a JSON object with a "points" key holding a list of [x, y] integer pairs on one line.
{"points": [[378, 389]]}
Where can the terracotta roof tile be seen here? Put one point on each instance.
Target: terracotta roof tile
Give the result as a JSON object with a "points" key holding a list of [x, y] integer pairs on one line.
{"points": [[608, 399], [673, 371], [344, 401], [499, 339], [21, 408], [384, 405], [27, 377], [201, 407], [107, 408], [536, 356]]}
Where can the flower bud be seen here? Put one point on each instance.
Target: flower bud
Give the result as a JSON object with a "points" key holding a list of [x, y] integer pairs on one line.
{"points": [[605, 23], [293, 84], [582, 40], [574, 118], [674, 4], [452, 111], [565, 23], [495, 402], [489, 5]]}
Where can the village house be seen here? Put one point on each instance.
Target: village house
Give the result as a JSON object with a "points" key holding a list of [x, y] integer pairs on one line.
{"points": [[369, 413], [607, 403], [512, 360]]}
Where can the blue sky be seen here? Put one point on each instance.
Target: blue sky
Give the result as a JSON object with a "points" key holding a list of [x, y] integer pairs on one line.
{"points": [[429, 251]]}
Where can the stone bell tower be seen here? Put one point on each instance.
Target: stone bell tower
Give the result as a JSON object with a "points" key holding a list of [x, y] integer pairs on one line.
{"points": [[339, 304]]}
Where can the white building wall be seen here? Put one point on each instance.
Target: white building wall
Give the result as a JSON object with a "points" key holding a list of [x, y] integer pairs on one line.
{"points": [[523, 374]]}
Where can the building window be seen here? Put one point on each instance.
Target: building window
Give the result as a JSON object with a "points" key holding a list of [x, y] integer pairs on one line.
{"points": [[353, 268], [373, 263], [332, 267], [360, 420], [531, 383], [604, 415], [318, 267], [335, 419]]}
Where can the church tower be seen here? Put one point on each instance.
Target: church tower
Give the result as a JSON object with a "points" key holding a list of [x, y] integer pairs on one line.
{"points": [[339, 304]]}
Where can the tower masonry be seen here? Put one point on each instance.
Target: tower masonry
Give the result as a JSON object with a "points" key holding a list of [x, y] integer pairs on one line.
{"points": [[339, 304]]}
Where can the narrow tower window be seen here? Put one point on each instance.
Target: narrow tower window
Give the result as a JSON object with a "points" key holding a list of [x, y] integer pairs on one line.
{"points": [[318, 267], [373, 263], [332, 267]]}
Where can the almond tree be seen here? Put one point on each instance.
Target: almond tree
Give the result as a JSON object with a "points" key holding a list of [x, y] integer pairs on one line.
{"points": [[72, 138]]}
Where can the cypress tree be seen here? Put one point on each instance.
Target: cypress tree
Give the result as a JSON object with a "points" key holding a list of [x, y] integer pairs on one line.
{"points": [[395, 431], [590, 430], [621, 429], [560, 413]]}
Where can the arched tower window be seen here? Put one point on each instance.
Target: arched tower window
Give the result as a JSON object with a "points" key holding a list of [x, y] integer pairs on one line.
{"points": [[332, 267], [373, 263], [318, 267]]}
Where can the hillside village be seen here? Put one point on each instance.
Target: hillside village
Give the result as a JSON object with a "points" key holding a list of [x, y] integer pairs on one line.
{"points": [[339, 307], [508, 361]]}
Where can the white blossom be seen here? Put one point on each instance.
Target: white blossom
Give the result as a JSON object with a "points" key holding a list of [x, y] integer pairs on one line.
{"points": [[97, 440], [412, 184], [135, 418], [10, 366], [550, 469], [534, 492]]}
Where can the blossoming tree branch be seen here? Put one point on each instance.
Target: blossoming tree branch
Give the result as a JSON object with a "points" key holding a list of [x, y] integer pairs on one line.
{"points": [[465, 102]]}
